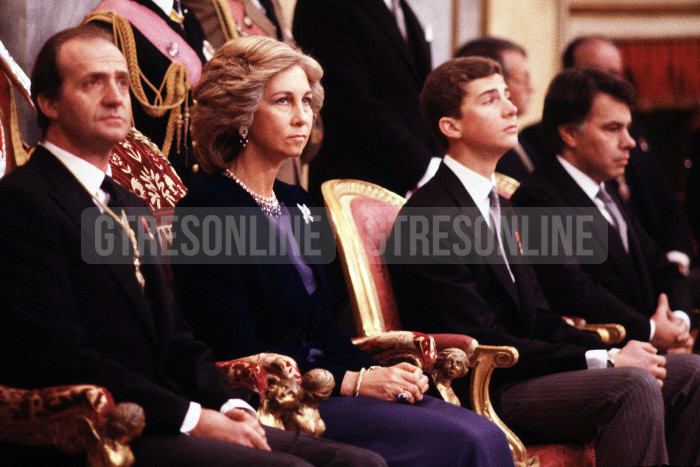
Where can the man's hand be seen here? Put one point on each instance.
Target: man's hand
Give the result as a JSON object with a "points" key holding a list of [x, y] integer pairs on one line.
{"points": [[387, 383], [671, 332], [642, 355], [237, 427]]}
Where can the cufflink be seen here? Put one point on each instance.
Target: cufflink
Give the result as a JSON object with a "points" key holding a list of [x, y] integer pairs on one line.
{"points": [[610, 363]]}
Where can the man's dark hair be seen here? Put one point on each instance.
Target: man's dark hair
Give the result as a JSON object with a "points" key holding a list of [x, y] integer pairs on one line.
{"points": [[47, 78], [568, 57], [570, 97], [490, 47], [446, 86]]}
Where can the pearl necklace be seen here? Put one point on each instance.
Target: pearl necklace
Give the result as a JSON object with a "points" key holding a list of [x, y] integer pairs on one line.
{"points": [[269, 204]]}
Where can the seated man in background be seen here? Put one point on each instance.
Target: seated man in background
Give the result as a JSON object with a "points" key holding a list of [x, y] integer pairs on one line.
{"points": [[586, 119], [107, 322], [562, 388], [520, 161]]}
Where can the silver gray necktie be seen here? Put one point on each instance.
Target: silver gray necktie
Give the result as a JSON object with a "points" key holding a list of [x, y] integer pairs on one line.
{"points": [[618, 222]]}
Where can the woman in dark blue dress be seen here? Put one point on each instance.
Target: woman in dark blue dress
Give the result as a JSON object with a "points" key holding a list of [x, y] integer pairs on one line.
{"points": [[266, 292]]}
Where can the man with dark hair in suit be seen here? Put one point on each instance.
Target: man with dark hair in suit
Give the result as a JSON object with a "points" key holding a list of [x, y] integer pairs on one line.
{"points": [[520, 161], [562, 389], [643, 187], [375, 58], [586, 120], [67, 320]]}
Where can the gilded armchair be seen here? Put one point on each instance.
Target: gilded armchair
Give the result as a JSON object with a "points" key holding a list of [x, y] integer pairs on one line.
{"points": [[362, 215]]}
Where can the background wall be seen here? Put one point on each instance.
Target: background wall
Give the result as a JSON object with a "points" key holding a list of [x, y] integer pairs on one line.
{"points": [[24, 27]]}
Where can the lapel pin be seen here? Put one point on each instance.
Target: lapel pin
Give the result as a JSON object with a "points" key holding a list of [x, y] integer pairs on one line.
{"points": [[306, 212]]}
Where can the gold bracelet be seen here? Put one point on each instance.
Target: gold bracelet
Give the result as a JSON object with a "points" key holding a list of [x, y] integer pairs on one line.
{"points": [[359, 378]]}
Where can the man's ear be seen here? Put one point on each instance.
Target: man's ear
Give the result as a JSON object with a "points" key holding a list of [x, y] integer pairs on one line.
{"points": [[47, 106], [450, 127], [567, 133]]}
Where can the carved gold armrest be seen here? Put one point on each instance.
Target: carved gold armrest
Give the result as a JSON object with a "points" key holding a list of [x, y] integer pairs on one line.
{"points": [[287, 400], [484, 360], [80, 419], [392, 347], [609, 333]]}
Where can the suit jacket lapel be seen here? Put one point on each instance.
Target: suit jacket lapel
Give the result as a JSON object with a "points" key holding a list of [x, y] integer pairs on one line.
{"points": [[462, 199], [378, 12], [617, 255], [72, 198]]}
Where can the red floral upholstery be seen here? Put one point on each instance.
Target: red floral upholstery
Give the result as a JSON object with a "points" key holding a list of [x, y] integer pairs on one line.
{"points": [[140, 167], [77, 419]]}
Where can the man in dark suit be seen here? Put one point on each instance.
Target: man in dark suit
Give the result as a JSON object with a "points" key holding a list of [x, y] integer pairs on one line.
{"points": [[562, 388], [520, 161], [373, 74], [643, 186], [67, 320], [587, 116]]}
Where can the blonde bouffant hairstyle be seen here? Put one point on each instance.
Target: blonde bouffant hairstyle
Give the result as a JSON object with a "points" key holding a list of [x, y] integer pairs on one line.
{"points": [[230, 91]]}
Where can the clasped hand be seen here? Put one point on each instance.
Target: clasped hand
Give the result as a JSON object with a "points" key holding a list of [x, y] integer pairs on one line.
{"points": [[237, 426], [671, 334]]}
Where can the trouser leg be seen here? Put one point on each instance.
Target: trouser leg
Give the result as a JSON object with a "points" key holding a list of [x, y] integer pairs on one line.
{"points": [[681, 393], [620, 408]]}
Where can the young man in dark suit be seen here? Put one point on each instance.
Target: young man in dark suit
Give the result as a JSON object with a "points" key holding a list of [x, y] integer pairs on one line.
{"points": [[66, 320], [562, 388], [520, 161]]}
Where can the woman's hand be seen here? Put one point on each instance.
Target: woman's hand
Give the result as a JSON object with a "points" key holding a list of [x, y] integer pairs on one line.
{"points": [[387, 383]]}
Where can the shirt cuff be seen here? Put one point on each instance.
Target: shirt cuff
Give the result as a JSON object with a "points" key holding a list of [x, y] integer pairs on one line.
{"points": [[680, 258], [238, 404], [191, 418], [684, 316], [596, 359]]}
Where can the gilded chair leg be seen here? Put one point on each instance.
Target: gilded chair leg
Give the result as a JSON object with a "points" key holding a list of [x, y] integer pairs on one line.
{"points": [[484, 360]]}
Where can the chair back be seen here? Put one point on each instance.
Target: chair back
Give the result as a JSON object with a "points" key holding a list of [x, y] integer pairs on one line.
{"points": [[139, 166], [362, 215], [505, 185], [12, 151]]}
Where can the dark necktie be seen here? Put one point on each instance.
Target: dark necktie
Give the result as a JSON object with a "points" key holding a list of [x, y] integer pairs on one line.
{"points": [[495, 212], [109, 186], [618, 222]]}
